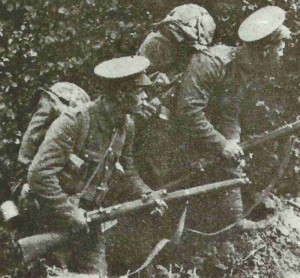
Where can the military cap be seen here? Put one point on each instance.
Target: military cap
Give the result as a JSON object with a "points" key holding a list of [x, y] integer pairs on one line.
{"points": [[261, 23], [125, 68]]}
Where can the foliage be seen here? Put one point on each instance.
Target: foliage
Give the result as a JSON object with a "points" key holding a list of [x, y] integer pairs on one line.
{"points": [[42, 42], [272, 252]]}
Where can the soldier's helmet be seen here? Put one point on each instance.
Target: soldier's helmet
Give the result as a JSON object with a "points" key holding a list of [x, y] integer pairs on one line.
{"points": [[129, 68], [190, 23], [264, 23], [71, 93]]}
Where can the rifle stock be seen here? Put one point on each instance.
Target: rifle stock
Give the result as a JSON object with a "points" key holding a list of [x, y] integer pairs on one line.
{"points": [[36, 246]]}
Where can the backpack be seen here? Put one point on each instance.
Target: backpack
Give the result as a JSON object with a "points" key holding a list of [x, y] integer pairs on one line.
{"points": [[59, 98]]}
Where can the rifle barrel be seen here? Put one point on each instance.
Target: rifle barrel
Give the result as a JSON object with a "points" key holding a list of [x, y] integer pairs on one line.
{"points": [[38, 245], [114, 212], [283, 130]]}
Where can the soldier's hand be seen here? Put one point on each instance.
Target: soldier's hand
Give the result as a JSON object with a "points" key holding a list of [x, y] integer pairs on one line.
{"points": [[161, 205], [148, 110], [79, 220], [232, 150]]}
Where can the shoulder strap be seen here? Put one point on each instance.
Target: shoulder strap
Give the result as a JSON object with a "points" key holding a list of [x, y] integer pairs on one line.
{"points": [[85, 127]]}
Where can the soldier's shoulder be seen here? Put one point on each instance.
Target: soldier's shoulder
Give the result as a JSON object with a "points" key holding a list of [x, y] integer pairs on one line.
{"points": [[156, 46], [203, 62]]}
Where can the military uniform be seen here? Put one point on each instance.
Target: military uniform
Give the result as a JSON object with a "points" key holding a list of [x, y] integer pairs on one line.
{"points": [[53, 102], [204, 113], [205, 85], [199, 112], [84, 152]]}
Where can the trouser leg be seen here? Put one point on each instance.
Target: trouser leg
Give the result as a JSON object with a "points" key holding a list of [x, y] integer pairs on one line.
{"points": [[216, 210], [89, 254], [212, 212]]}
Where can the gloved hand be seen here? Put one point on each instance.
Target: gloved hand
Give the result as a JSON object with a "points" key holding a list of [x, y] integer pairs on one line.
{"points": [[232, 151]]}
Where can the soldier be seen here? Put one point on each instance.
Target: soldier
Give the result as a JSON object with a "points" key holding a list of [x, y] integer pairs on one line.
{"points": [[209, 105], [254, 72], [264, 38], [60, 97], [204, 121], [83, 152], [187, 29]]}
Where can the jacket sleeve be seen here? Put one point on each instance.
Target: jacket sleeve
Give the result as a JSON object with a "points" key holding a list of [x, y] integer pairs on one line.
{"points": [[196, 90], [49, 162], [134, 179], [229, 122], [35, 133]]}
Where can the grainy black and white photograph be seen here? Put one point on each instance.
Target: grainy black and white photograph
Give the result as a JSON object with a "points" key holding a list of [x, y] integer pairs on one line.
{"points": [[149, 139]]}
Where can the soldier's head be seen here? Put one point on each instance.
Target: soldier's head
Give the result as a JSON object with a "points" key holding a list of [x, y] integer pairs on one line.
{"points": [[189, 25], [125, 79], [264, 32]]}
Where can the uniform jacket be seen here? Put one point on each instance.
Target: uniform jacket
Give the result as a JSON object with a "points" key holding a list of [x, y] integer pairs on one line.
{"points": [[35, 133], [209, 99], [73, 147], [209, 78], [204, 112]]}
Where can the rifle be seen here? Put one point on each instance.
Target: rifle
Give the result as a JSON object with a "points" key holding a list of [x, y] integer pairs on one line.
{"points": [[265, 137], [38, 245], [256, 140], [35, 246]]}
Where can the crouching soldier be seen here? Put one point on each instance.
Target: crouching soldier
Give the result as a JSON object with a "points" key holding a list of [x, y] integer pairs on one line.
{"points": [[84, 150], [54, 100]]}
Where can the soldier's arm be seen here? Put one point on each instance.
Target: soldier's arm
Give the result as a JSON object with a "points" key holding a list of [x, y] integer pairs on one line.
{"points": [[49, 162], [36, 130], [195, 93], [137, 183], [229, 123]]}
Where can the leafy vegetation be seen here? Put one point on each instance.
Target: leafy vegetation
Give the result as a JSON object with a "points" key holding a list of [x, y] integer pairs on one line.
{"points": [[42, 42]]}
